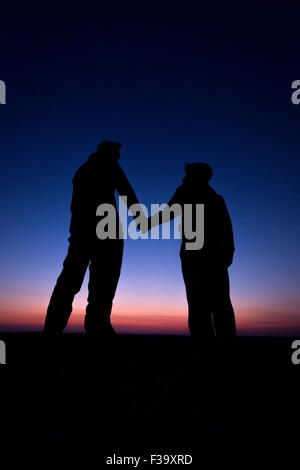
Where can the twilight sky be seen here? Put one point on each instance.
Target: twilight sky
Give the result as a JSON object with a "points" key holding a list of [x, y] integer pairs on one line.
{"points": [[173, 84]]}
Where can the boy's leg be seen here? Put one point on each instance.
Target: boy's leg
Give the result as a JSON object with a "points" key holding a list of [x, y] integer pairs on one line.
{"points": [[194, 272], [223, 313]]}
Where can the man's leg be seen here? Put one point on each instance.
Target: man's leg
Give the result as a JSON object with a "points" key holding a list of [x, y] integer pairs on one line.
{"points": [[105, 271], [68, 284], [198, 296], [223, 313]]}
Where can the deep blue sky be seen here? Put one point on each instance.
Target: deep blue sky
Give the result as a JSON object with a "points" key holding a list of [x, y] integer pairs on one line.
{"points": [[173, 84]]}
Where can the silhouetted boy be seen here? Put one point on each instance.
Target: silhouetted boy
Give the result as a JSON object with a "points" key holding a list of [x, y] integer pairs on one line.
{"points": [[94, 183], [205, 270]]}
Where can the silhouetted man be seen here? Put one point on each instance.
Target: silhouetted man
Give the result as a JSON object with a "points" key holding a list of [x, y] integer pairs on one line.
{"points": [[94, 183], [205, 270]]}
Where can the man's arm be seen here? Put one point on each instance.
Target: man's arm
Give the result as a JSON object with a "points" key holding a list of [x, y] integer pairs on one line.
{"points": [[125, 190], [79, 194]]}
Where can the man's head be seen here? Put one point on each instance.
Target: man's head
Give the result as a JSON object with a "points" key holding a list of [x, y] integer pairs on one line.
{"points": [[109, 150], [198, 172]]}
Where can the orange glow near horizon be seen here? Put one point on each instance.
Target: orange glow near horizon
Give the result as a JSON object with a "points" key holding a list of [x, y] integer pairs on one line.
{"points": [[155, 319]]}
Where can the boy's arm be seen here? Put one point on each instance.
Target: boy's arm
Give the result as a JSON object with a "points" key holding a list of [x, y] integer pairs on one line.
{"points": [[227, 233], [166, 215]]}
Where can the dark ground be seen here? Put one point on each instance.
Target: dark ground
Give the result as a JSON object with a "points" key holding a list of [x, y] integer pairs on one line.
{"points": [[147, 394]]}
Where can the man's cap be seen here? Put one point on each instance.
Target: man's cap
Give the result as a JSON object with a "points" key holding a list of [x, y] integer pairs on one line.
{"points": [[108, 147]]}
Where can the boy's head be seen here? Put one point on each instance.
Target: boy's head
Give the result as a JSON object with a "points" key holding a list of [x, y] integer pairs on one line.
{"points": [[201, 172]]}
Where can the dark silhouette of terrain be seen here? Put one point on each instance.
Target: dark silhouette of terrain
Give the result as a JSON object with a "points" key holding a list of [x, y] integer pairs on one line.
{"points": [[93, 184], [75, 400]]}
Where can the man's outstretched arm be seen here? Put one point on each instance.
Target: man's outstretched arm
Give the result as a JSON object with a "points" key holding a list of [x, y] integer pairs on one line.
{"points": [[128, 195]]}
